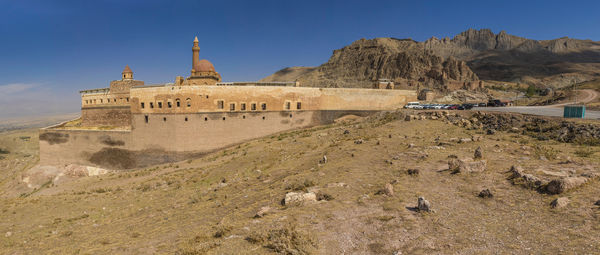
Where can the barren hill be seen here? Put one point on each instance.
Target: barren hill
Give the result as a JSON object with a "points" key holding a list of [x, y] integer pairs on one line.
{"points": [[230, 201], [469, 56]]}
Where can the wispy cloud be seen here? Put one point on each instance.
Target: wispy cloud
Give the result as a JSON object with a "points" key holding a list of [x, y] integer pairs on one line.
{"points": [[13, 88], [33, 99]]}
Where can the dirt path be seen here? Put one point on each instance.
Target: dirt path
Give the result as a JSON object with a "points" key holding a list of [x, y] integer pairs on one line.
{"points": [[583, 96]]}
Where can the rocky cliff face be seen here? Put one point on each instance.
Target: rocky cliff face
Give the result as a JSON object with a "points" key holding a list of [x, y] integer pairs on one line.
{"points": [[468, 57], [365, 61]]}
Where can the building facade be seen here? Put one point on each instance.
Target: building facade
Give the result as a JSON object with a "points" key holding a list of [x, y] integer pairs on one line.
{"points": [[131, 124]]}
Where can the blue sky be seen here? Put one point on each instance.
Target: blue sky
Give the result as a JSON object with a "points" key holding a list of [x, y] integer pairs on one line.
{"points": [[51, 49]]}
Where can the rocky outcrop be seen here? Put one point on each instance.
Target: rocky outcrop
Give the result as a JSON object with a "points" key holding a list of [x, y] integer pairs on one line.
{"points": [[364, 61], [452, 63]]}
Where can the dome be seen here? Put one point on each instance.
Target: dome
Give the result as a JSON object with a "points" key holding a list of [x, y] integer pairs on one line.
{"points": [[204, 66]]}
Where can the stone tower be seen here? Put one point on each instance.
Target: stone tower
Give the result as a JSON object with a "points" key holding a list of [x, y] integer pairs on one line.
{"points": [[203, 72], [127, 74]]}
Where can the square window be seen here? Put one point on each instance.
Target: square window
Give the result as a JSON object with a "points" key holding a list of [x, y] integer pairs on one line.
{"points": [[220, 104]]}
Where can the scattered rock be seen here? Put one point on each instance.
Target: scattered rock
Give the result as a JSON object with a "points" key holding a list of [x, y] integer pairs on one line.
{"points": [[336, 184], [413, 172], [389, 136], [411, 145], [491, 131], [560, 202], [518, 176], [323, 160], [8, 234], [408, 118], [298, 198], [486, 193], [388, 190], [559, 186], [262, 212], [346, 132], [359, 141], [478, 153], [476, 138], [597, 202], [465, 140], [423, 205], [467, 165]]}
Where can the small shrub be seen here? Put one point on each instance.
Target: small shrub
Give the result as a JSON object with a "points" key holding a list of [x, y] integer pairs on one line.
{"points": [[324, 196], [585, 152], [547, 152], [4, 151]]}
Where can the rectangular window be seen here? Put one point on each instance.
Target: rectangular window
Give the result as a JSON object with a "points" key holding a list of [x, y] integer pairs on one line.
{"points": [[299, 106], [127, 99], [178, 103], [151, 105], [159, 104], [142, 105], [146, 118], [263, 106], [220, 104], [232, 107], [253, 107], [243, 106], [86, 101], [100, 100], [115, 100], [288, 105], [169, 104]]}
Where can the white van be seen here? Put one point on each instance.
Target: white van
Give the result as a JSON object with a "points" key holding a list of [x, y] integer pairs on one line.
{"points": [[413, 105]]}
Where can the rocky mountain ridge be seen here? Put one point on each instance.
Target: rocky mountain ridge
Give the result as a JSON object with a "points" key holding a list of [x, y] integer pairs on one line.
{"points": [[451, 63]]}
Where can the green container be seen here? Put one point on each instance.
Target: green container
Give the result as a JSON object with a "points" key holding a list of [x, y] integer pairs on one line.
{"points": [[574, 111]]}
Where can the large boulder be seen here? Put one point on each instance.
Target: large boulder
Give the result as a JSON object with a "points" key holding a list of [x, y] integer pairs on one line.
{"points": [[562, 185], [467, 165], [299, 198], [423, 205], [559, 202]]}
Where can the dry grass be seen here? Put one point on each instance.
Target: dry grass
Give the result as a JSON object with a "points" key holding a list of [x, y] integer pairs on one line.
{"points": [[207, 205]]}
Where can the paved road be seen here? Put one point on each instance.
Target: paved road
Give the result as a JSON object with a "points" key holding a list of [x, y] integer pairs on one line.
{"points": [[584, 96], [537, 110]]}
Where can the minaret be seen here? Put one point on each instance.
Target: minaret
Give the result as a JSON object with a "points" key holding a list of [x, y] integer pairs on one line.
{"points": [[196, 55]]}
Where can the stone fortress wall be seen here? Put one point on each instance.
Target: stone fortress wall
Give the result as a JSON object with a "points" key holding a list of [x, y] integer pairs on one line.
{"points": [[130, 125]]}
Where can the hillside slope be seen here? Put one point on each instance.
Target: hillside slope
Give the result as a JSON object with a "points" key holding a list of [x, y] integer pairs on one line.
{"points": [[208, 205]]}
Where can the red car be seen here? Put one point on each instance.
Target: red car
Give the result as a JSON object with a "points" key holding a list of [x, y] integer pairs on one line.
{"points": [[453, 107]]}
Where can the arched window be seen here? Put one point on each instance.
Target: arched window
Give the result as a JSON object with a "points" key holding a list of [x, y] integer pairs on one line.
{"points": [[178, 102], [188, 102]]}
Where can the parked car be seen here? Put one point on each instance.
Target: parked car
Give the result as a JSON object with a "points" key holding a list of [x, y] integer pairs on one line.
{"points": [[495, 103], [467, 106], [452, 107], [482, 105], [413, 105]]}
